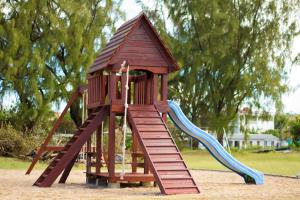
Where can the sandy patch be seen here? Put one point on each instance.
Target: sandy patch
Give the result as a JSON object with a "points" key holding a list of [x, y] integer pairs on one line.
{"points": [[213, 185]]}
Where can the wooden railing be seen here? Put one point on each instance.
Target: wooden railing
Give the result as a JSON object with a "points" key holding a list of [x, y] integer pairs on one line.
{"points": [[97, 90]]}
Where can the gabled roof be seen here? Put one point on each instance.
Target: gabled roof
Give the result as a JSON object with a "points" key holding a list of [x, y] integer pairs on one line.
{"points": [[107, 56]]}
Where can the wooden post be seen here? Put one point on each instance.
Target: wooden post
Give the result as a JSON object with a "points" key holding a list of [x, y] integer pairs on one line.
{"points": [[154, 93], [134, 151], [164, 93], [111, 147], [98, 150], [88, 155]]}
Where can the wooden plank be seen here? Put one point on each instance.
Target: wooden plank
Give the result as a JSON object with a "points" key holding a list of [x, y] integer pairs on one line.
{"points": [[156, 134], [151, 127], [174, 174], [142, 108], [170, 183], [171, 191], [144, 114], [170, 166], [151, 121], [160, 142], [112, 88], [153, 150], [157, 158], [53, 148]]}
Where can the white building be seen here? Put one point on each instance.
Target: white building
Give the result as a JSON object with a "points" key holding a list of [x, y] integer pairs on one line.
{"points": [[263, 140], [252, 122]]}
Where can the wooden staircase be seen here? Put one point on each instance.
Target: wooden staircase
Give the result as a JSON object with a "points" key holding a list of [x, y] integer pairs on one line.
{"points": [[67, 156], [160, 150]]}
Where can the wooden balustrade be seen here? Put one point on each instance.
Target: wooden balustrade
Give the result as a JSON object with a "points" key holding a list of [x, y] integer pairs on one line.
{"points": [[97, 90]]}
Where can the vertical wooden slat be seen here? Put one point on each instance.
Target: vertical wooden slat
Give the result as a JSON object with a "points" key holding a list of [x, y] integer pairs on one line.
{"points": [[148, 83], [123, 89], [136, 93], [112, 88]]}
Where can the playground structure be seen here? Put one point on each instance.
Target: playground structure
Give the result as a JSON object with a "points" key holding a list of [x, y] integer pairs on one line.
{"points": [[129, 81]]}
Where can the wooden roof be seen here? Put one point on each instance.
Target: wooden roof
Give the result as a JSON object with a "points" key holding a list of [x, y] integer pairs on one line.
{"points": [[138, 42]]}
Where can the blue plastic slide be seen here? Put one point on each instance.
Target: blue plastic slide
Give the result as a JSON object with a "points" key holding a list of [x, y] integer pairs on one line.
{"points": [[213, 146]]}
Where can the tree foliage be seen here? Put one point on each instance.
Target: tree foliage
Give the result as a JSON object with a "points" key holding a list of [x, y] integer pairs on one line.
{"points": [[294, 127], [231, 52], [46, 48]]}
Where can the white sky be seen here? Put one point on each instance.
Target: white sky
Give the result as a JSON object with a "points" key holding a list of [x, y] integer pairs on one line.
{"points": [[291, 100]]}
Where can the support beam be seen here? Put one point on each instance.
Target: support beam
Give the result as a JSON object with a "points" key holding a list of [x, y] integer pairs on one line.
{"points": [[111, 147], [98, 149]]}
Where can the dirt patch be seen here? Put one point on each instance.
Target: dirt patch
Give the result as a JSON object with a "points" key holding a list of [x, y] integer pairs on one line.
{"points": [[213, 185]]}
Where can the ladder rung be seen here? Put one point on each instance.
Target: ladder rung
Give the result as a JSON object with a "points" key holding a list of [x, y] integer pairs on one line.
{"points": [[178, 178], [179, 187], [167, 161]]}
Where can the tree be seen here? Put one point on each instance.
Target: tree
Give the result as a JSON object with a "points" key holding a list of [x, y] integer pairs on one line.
{"points": [[231, 52], [281, 125], [294, 127], [46, 48]]}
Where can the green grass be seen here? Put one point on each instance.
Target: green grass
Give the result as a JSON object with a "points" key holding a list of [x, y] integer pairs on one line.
{"points": [[271, 163], [14, 163]]}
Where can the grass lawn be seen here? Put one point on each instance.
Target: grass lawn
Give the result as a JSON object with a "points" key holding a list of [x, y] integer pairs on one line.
{"points": [[14, 163], [271, 163]]}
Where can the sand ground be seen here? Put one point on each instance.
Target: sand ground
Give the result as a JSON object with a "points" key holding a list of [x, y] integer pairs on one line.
{"points": [[213, 185]]}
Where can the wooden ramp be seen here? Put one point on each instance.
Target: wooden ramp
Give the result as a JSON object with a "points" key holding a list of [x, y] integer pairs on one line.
{"points": [[160, 150], [66, 158]]}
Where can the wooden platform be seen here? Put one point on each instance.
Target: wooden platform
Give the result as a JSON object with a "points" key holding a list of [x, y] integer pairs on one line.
{"points": [[128, 177]]}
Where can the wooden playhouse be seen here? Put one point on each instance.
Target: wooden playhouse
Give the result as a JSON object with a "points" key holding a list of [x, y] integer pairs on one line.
{"points": [[154, 156]]}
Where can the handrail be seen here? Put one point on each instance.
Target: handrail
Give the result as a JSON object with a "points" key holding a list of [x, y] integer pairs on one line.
{"points": [[80, 90]]}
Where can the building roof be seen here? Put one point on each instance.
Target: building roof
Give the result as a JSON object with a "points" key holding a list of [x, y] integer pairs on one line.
{"points": [[107, 56], [253, 137]]}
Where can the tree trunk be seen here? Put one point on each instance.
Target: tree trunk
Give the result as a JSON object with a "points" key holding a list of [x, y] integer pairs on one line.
{"points": [[220, 138], [76, 113]]}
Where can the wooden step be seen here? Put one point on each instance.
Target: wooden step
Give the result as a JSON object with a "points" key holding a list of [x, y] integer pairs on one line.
{"points": [[156, 134], [170, 149], [175, 183], [148, 121], [141, 108], [158, 142], [182, 190], [170, 166], [151, 128], [146, 114]]}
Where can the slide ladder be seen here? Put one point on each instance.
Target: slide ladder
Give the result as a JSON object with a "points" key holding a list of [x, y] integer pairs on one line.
{"points": [[66, 158], [213, 146], [160, 150]]}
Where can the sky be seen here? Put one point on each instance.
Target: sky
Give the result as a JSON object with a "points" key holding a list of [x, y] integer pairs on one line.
{"points": [[290, 100]]}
